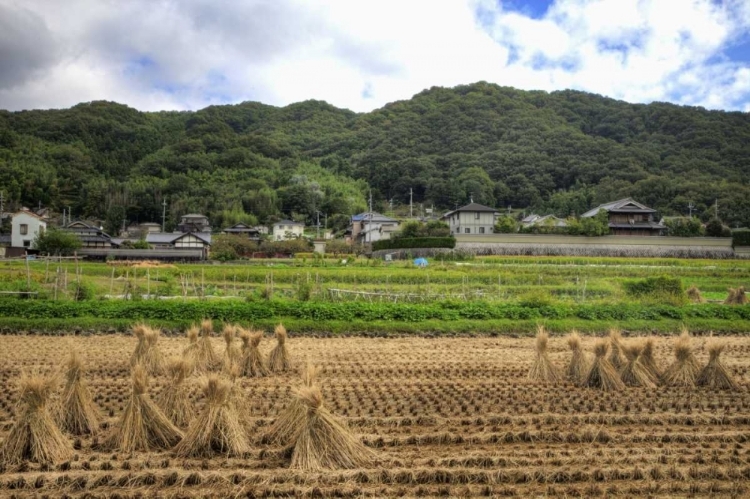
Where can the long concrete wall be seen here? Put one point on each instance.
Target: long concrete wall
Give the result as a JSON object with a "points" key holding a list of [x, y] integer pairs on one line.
{"points": [[525, 239]]}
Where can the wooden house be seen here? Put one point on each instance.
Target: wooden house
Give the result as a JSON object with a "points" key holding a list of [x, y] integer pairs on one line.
{"points": [[629, 218]]}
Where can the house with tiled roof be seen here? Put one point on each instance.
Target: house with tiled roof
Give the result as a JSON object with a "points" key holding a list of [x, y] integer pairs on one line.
{"points": [[473, 218], [629, 218]]}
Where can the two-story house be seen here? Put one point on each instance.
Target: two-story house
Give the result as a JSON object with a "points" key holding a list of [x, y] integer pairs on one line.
{"points": [[90, 235], [629, 218], [371, 226], [194, 222], [287, 229], [473, 218], [254, 233], [25, 226]]}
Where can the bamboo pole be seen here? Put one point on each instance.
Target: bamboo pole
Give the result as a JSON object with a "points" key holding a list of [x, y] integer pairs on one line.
{"points": [[28, 275]]}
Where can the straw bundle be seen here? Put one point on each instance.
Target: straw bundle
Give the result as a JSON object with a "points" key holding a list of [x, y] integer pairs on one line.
{"points": [[142, 426], [205, 357], [153, 359], [685, 368], [285, 428], [252, 363], [218, 428], [736, 296], [324, 442], [139, 355], [615, 343], [175, 399], [715, 374], [35, 435], [232, 352], [238, 399], [578, 366], [601, 374], [647, 359], [633, 373], [278, 359], [77, 412], [694, 294], [542, 369]]}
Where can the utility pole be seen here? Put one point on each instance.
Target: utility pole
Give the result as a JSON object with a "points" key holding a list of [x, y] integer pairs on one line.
{"points": [[508, 210], [164, 215], [716, 208], [317, 214], [2, 200], [63, 222], [691, 207], [70, 216], [369, 225], [411, 197]]}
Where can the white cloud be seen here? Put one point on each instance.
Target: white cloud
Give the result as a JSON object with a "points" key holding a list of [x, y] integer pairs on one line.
{"points": [[186, 54]]}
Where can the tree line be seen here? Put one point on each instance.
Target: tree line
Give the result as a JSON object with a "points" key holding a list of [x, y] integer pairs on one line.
{"points": [[560, 153]]}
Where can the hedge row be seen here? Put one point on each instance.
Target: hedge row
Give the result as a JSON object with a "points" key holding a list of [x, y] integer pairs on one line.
{"points": [[237, 310], [415, 242], [740, 237]]}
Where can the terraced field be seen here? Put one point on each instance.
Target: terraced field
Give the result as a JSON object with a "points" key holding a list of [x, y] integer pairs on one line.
{"points": [[448, 417]]}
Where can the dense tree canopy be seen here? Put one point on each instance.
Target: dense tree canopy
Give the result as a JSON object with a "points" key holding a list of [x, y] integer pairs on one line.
{"points": [[560, 152]]}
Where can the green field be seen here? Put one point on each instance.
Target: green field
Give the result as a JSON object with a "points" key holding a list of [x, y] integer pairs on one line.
{"points": [[483, 295]]}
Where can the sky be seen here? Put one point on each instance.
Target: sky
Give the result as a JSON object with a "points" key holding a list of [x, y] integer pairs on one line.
{"points": [[361, 54]]}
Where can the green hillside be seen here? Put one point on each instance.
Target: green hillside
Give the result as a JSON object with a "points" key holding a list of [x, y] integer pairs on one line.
{"points": [[561, 152]]}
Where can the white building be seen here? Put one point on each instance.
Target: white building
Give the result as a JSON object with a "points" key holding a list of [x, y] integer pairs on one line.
{"points": [[24, 228], [287, 229], [473, 218], [369, 227]]}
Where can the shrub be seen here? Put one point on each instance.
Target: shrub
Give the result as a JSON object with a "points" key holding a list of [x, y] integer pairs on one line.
{"points": [[56, 242], [714, 228], [741, 237], [684, 227], [669, 288], [506, 225], [82, 291]]}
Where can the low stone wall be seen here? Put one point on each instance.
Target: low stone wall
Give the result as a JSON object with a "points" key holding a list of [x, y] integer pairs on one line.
{"points": [[557, 245]]}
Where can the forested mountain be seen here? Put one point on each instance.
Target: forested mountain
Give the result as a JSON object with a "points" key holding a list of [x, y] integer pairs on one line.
{"points": [[561, 152]]}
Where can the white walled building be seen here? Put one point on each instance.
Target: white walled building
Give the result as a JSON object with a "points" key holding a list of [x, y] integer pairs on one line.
{"points": [[473, 218], [24, 228], [287, 229], [372, 226]]}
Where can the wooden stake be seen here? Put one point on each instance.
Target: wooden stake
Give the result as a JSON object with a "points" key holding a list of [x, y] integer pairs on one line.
{"points": [[28, 275]]}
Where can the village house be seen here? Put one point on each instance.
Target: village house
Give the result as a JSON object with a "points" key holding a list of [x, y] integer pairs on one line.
{"points": [[194, 222], [25, 226], [180, 241], [90, 235], [629, 218], [545, 221], [287, 229], [254, 233], [473, 218], [372, 226], [140, 230]]}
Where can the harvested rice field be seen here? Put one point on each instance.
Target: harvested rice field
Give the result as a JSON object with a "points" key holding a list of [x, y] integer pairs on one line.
{"points": [[442, 417]]}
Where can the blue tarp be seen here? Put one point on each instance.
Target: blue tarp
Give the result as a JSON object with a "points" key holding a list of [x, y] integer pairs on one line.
{"points": [[420, 262]]}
